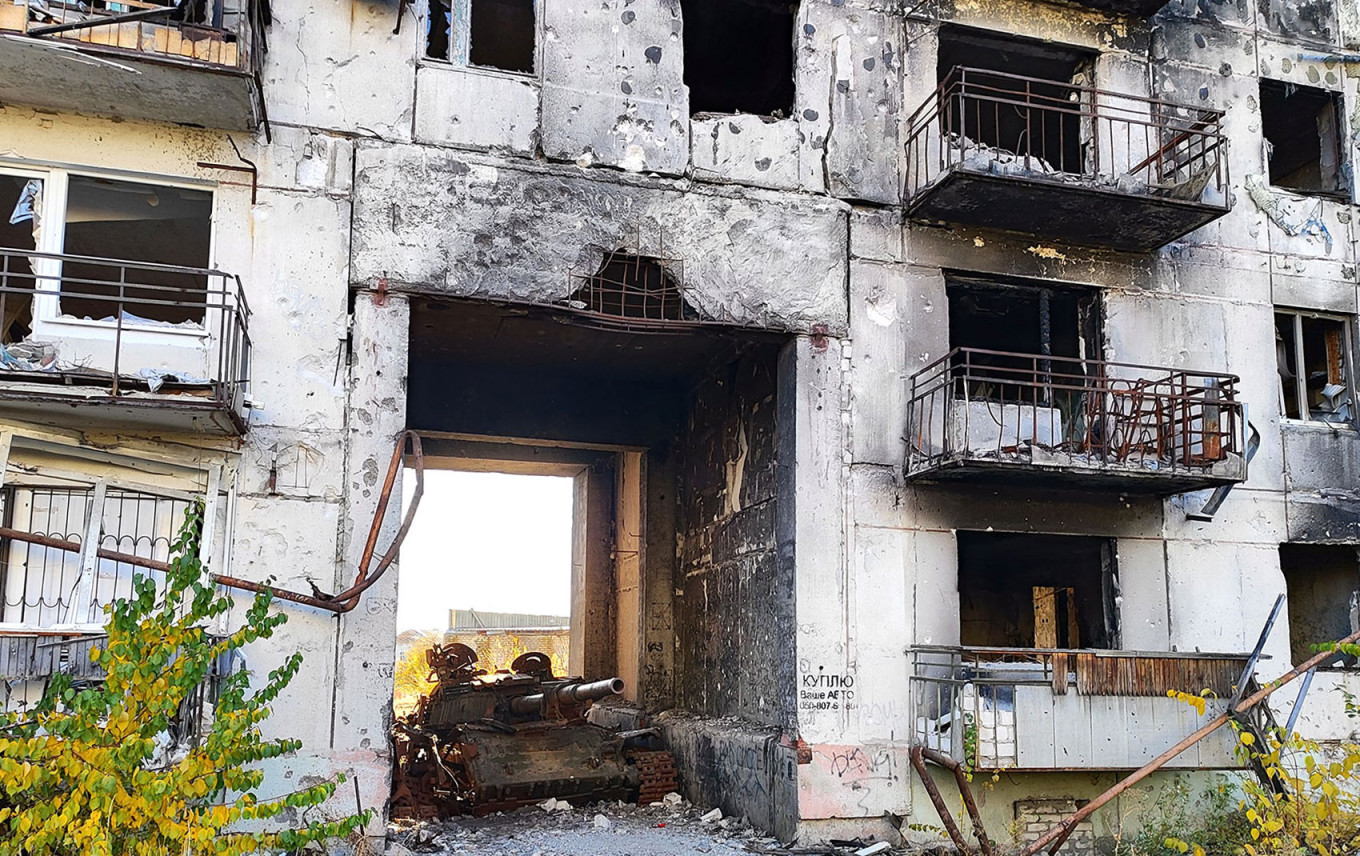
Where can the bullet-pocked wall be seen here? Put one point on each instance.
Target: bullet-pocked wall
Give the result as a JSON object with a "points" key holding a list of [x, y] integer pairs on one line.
{"points": [[506, 186]]}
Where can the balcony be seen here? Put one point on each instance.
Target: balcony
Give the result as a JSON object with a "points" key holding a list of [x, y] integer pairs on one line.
{"points": [[30, 658], [137, 60], [1050, 709], [1065, 162], [1027, 418], [122, 344]]}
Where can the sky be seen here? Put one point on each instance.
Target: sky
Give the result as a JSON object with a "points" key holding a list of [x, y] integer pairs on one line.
{"points": [[485, 541]]}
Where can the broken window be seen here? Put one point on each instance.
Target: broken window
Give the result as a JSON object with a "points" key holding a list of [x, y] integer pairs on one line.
{"points": [[1037, 591], [632, 286], [499, 34], [162, 230], [739, 56], [20, 222], [1314, 358], [44, 586], [1321, 581], [1010, 97], [1301, 125], [129, 221]]}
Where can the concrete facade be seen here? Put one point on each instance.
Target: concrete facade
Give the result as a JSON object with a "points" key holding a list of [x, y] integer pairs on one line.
{"points": [[403, 208]]}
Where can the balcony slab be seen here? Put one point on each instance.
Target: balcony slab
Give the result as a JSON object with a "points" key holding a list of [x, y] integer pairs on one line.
{"points": [[1065, 210], [103, 80]]}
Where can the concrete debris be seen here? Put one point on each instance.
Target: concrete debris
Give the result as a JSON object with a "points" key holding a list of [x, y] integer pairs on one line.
{"points": [[551, 805], [672, 799], [674, 829], [663, 829]]}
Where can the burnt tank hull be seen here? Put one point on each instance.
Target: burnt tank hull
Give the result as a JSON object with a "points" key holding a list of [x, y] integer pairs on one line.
{"points": [[480, 743]]}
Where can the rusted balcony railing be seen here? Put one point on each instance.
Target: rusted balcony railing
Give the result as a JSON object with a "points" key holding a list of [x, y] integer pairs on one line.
{"points": [[1009, 409], [227, 33], [102, 322], [1029, 708], [1064, 136]]}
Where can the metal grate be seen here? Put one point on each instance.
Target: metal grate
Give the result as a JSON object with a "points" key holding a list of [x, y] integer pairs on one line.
{"points": [[38, 585], [964, 699], [634, 287], [227, 33]]}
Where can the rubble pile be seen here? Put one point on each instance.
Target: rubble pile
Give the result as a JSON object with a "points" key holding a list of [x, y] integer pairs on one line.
{"points": [[669, 827]]}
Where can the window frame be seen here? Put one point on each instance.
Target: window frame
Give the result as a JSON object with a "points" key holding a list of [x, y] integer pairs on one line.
{"points": [[48, 321], [1300, 385], [68, 471], [460, 14]]}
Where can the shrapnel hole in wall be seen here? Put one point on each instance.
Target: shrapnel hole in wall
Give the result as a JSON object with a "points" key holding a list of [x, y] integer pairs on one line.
{"points": [[497, 34], [739, 56], [1321, 581], [632, 286], [1301, 125], [1004, 100]]}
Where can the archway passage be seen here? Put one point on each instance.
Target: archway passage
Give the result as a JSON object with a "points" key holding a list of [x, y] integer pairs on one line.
{"points": [[672, 438]]}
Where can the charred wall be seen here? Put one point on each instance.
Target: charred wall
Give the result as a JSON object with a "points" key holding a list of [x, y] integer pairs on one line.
{"points": [[734, 617]]}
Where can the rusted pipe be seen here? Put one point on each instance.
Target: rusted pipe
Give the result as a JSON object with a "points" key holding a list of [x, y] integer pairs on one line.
{"points": [[349, 598], [1058, 834], [919, 755], [341, 603], [74, 547]]}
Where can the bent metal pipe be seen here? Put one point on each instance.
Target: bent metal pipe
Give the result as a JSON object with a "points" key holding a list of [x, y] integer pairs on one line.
{"points": [[340, 603]]}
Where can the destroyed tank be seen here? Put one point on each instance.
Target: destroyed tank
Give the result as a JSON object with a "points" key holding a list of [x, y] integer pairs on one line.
{"points": [[482, 742]]}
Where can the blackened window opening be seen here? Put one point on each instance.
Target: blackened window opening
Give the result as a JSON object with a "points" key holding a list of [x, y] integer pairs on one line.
{"points": [[988, 106], [1321, 581], [20, 197], [739, 56], [632, 286], [501, 35], [1044, 335], [1037, 591], [1301, 125]]}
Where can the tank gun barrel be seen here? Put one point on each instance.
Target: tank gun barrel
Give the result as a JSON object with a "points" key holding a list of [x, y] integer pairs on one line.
{"points": [[568, 694]]}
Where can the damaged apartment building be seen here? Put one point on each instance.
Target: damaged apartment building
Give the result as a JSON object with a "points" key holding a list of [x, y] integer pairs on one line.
{"points": [[958, 373]]}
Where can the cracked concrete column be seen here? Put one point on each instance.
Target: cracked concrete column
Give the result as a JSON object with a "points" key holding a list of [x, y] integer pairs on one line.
{"points": [[367, 636]]}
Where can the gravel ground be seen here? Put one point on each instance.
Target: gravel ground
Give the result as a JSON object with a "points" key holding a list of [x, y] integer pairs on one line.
{"points": [[670, 829]]}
